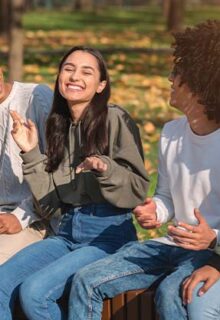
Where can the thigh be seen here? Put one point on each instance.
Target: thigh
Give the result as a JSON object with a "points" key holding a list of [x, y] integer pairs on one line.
{"points": [[135, 266], [51, 280], [171, 285], [29, 260], [12, 243], [206, 307], [184, 262]]}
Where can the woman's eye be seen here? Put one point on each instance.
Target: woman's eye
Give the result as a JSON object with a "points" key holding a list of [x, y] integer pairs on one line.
{"points": [[69, 70], [87, 73]]}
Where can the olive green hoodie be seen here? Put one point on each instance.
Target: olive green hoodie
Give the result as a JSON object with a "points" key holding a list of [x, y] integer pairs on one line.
{"points": [[124, 184]]}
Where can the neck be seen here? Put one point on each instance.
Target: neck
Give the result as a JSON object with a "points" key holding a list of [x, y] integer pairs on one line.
{"points": [[200, 124], [76, 110]]}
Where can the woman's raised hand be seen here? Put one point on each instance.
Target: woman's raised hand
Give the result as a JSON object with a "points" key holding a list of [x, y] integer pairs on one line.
{"points": [[24, 133], [92, 163]]}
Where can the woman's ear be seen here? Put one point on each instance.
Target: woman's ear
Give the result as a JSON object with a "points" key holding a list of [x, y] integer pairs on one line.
{"points": [[101, 86]]}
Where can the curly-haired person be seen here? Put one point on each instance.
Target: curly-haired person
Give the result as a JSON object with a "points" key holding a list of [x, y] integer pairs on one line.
{"points": [[187, 192]]}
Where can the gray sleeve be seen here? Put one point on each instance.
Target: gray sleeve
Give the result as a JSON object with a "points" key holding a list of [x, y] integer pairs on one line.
{"points": [[41, 183], [125, 182]]}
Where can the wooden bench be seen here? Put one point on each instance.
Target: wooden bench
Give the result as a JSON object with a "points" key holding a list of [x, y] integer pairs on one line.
{"points": [[131, 305]]}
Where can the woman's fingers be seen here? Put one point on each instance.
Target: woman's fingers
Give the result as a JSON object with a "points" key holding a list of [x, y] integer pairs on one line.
{"points": [[16, 117], [92, 163], [24, 133]]}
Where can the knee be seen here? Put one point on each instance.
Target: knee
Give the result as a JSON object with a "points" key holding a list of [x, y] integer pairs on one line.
{"points": [[30, 293], [83, 281], [200, 306]]}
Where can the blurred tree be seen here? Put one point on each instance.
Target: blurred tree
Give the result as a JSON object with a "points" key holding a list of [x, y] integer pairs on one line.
{"points": [[83, 5], [166, 7], [174, 12], [4, 17], [16, 40], [77, 5], [117, 2]]}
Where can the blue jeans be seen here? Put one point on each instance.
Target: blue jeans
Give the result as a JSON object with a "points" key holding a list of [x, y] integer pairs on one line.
{"points": [[44, 269], [135, 266], [206, 307]]}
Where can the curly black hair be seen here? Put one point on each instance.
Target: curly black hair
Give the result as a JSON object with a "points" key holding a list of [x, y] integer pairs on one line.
{"points": [[197, 61]]}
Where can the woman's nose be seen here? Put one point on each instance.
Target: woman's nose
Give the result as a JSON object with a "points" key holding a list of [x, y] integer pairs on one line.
{"points": [[74, 75]]}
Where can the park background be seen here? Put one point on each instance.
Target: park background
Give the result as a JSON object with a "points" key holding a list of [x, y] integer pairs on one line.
{"points": [[135, 37]]}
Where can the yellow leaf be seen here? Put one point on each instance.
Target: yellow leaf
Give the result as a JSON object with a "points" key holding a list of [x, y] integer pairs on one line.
{"points": [[149, 127]]}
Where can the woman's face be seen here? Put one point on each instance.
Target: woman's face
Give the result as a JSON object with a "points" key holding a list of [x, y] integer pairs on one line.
{"points": [[79, 78]]}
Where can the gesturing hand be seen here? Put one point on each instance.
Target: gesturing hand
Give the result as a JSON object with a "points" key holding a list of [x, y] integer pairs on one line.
{"points": [[146, 214], [206, 274], [24, 133], [92, 163], [197, 237]]}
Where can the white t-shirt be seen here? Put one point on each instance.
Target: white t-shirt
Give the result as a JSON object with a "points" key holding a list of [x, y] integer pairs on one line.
{"points": [[30, 101], [188, 176]]}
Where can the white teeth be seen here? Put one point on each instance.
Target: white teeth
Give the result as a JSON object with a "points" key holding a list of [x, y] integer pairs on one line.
{"points": [[74, 87]]}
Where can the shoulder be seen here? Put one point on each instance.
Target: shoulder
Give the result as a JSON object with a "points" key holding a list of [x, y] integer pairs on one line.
{"points": [[33, 89], [42, 92], [119, 114], [42, 89], [174, 128]]}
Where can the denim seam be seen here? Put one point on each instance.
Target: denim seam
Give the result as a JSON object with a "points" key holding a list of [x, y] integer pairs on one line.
{"points": [[45, 304], [124, 274]]}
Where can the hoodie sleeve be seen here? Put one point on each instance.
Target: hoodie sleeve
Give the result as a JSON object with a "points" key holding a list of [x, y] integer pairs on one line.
{"points": [[125, 182], [43, 189]]}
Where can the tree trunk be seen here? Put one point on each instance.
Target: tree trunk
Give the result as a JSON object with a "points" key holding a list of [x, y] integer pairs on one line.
{"points": [[16, 40], [175, 15], [76, 5], [166, 7], [83, 5], [4, 17]]}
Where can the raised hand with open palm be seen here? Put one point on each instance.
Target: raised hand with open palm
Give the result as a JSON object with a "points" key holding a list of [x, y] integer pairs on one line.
{"points": [[24, 133]]}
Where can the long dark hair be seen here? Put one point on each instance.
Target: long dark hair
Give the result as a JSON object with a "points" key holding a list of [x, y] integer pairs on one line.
{"points": [[93, 119]]}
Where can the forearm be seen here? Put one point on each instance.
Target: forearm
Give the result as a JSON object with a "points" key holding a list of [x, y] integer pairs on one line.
{"points": [[121, 186], [40, 182]]}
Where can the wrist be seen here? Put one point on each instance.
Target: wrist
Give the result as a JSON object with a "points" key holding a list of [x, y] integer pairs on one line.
{"points": [[213, 242]]}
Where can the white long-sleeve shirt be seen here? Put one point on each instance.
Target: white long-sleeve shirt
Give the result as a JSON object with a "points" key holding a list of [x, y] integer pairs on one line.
{"points": [[188, 176], [30, 101]]}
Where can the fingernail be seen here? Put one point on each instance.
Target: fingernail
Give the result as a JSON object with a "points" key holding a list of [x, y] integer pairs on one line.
{"points": [[201, 293]]}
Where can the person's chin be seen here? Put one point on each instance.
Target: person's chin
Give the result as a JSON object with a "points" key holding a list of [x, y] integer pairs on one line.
{"points": [[172, 103]]}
